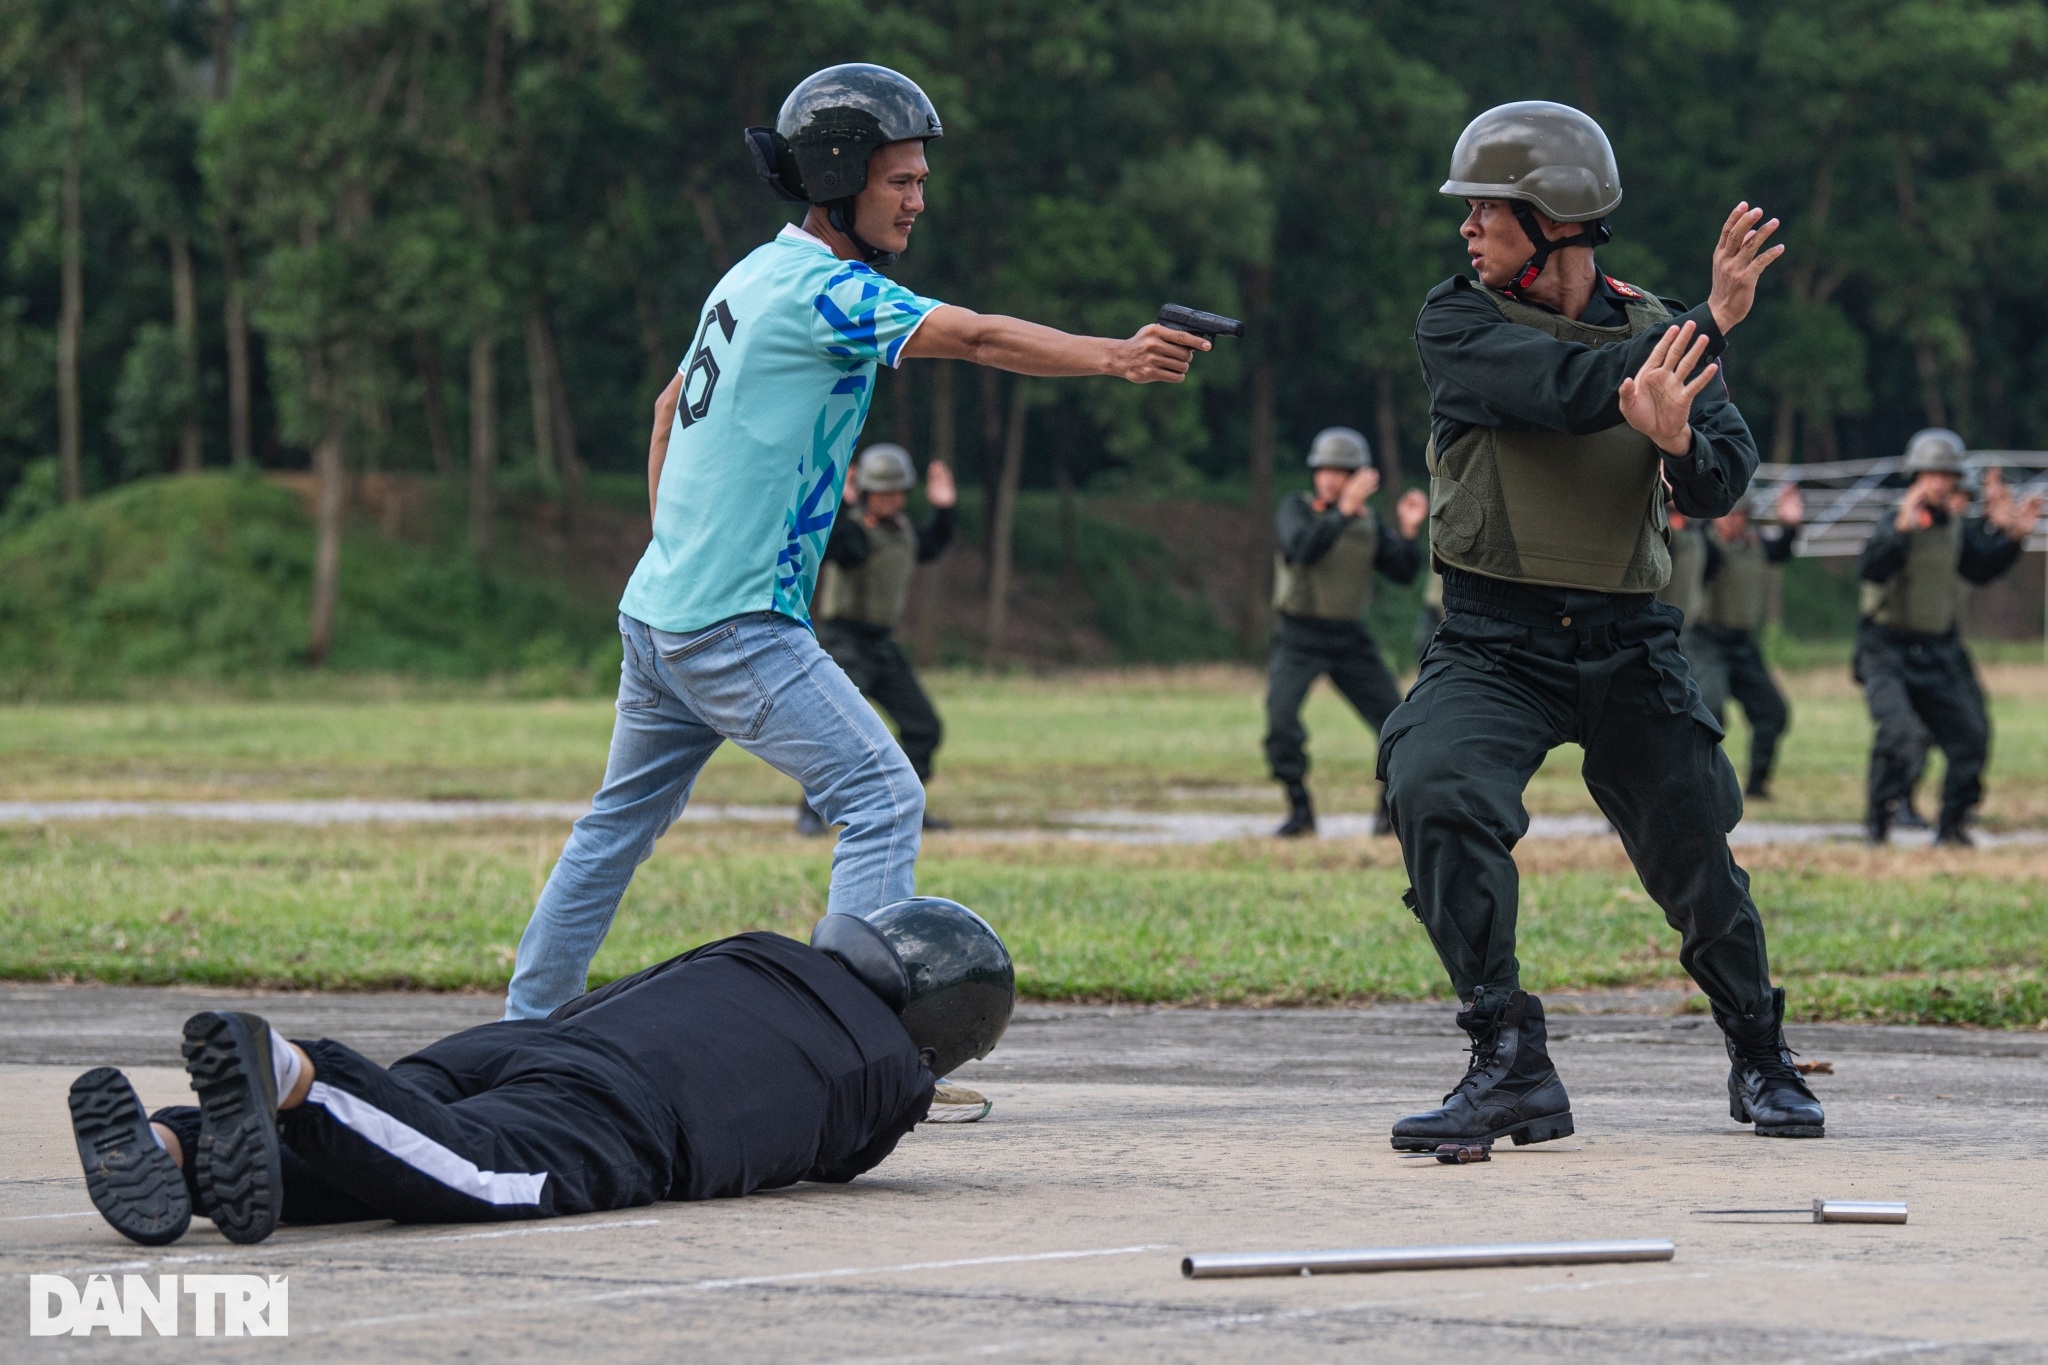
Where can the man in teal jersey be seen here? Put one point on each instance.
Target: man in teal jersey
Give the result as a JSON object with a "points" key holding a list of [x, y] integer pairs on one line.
{"points": [[748, 456]]}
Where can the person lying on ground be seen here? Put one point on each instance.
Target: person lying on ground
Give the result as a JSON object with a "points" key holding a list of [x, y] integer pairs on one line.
{"points": [[750, 1063]]}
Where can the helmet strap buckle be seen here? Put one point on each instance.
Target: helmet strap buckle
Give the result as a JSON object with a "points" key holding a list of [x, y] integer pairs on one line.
{"points": [[1593, 235]]}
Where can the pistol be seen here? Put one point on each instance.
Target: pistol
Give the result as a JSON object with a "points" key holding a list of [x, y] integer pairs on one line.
{"points": [[1208, 326]]}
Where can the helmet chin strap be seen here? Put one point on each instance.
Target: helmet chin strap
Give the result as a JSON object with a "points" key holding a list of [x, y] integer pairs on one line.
{"points": [[1594, 234], [840, 214]]}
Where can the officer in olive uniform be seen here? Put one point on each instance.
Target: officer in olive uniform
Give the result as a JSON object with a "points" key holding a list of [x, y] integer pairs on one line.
{"points": [[1330, 543], [1909, 655], [1725, 655], [866, 585], [1693, 557], [1561, 403]]}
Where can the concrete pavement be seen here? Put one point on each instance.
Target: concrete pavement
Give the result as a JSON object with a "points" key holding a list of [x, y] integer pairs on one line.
{"points": [[1124, 1139]]}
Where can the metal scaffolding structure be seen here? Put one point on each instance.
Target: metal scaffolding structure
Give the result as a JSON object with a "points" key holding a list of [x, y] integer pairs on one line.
{"points": [[1845, 498]]}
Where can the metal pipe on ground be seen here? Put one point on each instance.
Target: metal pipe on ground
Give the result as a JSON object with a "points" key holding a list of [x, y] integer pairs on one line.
{"points": [[1222, 1265]]}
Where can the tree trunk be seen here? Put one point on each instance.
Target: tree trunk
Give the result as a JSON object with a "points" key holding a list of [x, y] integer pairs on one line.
{"points": [[71, 312], [714, 235], [331, 480], [991, 465], [1258, 512], [540, 386], [1929, 366], [1783, 424], [945, 446], [427, 357], [648, 315], [235, 317], [483, 443], [900, 410], [234, 309], [1003, 526], [568, 458], [185, 312], [1063, 484], [1389, 431]]}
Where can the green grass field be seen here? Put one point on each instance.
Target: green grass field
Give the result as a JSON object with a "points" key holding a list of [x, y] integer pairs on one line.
{"points": [[1900, 935]]}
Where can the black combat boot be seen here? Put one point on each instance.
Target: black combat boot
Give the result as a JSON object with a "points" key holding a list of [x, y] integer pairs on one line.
{"points": [[1509, 1090], [1301, 816], [1877, 824], [1909, 818], [1764, 1087], [1953, 833], [1759, 788]]}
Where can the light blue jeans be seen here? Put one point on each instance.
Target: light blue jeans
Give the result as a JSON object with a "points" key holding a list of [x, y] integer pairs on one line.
{"points": [[763, 682]]}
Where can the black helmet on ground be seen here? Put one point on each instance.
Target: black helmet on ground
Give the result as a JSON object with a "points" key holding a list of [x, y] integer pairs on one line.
{"points": [[938, 965], [818, 150]]}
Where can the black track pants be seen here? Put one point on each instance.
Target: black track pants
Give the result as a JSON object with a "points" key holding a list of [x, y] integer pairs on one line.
{"points": [[1922, 687], [511, 1120], [1742, 675], [878, 666], [1304, 650], [1493, 698]]}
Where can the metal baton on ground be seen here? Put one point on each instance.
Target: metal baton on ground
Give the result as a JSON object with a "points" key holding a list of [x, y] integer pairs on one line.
{"points": [[1838, 1211], [1230, 1264]]}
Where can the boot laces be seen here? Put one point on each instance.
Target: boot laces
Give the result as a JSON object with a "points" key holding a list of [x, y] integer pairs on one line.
{"points": [[1772, 1061], [1485, 1044]]}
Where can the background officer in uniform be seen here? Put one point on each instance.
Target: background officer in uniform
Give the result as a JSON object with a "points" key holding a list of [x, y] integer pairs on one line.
{"points": [[865, 587], [746, 1064], [1693, 557], [1909, 653], [1725, 654], [1562, 402], [1330, 543]]}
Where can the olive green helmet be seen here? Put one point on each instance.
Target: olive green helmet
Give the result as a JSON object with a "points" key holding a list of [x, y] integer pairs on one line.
{"points": [[885, 468], [1549, 156], [1934, 450], [1339, 448]]}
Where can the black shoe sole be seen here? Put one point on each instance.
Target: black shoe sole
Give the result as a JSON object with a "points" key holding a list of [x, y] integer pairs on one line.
{"points": [[1546, 1129], [239, 1165], [133, 1182]]}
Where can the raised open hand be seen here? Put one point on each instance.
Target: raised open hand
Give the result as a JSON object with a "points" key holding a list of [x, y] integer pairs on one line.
{"points": [[1740, 258], [938, 485], [1791, 506], [1657, 399], [1410, 512], [1360, 486]]}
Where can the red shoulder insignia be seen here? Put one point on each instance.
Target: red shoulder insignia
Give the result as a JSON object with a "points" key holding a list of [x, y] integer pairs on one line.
{"points": [[1627, 291]]}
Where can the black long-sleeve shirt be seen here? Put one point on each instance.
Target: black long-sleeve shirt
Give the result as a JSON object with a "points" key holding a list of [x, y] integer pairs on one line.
{"points": [[1484, 370], [1306, 535], [1987, 552], [847, 546]]}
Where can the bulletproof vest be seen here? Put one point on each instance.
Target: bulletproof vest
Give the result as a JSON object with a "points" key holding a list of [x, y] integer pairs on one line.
{"points": [[1337, 587], [1687, 589], [1739, 593], [1549, 508], [1925, 595], [875, 593]]}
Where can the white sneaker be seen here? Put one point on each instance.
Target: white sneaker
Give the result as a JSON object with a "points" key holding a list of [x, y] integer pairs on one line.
{"points": [[957, 1104]]}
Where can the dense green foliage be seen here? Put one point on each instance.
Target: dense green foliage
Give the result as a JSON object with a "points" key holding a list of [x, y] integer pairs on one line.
{"points": [[397, 178], [207, 578]]}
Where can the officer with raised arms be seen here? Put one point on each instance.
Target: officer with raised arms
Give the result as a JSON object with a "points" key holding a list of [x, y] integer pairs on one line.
{"points": [[868, 566], [1330, 543], [1562, 402], [749, 452], [1910, 656], [1723, 647]]}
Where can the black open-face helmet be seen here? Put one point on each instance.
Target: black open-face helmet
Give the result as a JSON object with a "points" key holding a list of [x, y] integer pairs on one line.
{"points": [[938, 965], [830, 125]]}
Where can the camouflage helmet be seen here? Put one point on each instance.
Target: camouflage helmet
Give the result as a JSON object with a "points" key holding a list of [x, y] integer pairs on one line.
{"points": [[1934, 450], [885, 468], [1339, 448], [1537, 152]]}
